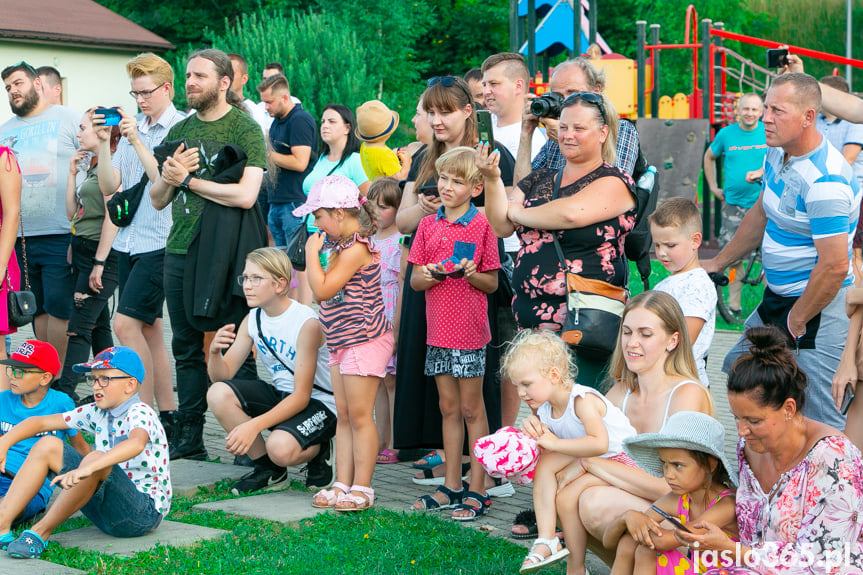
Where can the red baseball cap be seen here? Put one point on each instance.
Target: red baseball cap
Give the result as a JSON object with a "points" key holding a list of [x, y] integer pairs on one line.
{"points": [[35, 353]]}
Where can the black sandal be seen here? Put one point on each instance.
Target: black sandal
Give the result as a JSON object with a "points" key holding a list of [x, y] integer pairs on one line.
{"points": [[454, 498], [527, 518], [484, 504]]}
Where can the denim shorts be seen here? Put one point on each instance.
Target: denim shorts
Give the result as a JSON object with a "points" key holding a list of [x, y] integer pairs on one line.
{"points": [[35, 505], [283, 223], [117, 508]]}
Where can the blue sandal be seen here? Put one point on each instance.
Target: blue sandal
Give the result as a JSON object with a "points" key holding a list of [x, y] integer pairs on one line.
{"points": [[28, 546], [454, 498], [484, 504], [5, 540], [433, 459]]}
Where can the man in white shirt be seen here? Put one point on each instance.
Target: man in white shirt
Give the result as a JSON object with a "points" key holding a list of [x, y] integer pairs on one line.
{"points": [[241, 77]]}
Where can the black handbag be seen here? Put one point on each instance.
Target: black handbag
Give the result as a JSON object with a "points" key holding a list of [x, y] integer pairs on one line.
{"points": [[296, 248], [20, 305], [122, 206], [594, 308]]}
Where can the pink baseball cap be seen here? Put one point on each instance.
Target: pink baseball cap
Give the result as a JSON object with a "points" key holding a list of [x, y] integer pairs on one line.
{"points": [[331, 192]]}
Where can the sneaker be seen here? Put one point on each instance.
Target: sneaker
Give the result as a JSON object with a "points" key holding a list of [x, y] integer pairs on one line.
{"points": [[321, 470], [259, 478], [28, 546]]}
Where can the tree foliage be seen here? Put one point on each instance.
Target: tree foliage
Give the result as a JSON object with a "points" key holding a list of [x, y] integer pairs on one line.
{"points": [[324, 60]]}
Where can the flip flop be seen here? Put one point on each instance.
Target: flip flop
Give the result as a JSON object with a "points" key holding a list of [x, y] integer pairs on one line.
{"points": [[388, 456], [433, 459]]}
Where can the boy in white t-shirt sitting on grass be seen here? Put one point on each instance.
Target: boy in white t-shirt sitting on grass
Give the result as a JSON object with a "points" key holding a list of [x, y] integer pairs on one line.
{"points": [[676, 230], [123, 486]]}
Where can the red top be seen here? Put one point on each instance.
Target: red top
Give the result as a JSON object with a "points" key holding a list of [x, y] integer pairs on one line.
{"points": [[456, 312]]}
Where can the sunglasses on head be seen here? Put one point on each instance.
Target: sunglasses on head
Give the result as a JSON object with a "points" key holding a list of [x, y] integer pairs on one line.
{"points": [[28, 67], [590, 98], [448, 81]]}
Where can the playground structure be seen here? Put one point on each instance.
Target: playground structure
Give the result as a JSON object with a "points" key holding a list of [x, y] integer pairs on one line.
{"points": [[675, 128]]}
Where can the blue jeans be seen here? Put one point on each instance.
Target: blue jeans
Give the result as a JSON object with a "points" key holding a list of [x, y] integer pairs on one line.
{"points": [[35, 505], [117, 507], [283, 223]]}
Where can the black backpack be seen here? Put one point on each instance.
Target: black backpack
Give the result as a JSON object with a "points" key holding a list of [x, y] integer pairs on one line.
{"points": [[639, 241]]}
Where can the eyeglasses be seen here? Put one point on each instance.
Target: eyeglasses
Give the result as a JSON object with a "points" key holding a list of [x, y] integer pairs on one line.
{"points": [[18, 373], [145, 94], [590, 98], [448, 81], [104, 380], [254, 281], [25, 65]]}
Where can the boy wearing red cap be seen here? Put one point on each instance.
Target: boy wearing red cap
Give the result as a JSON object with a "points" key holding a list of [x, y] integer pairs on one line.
{"points": [[123, 486], [31, 369]]}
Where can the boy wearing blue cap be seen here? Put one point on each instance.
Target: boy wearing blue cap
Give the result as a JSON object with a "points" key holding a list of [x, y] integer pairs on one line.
{"points": [[123, 486]]}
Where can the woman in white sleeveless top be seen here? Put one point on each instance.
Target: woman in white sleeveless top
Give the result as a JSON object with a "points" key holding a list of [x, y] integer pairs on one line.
{"points": [[655, 376]]}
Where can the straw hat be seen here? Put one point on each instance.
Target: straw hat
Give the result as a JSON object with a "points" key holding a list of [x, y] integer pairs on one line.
{"points": [[375, 121], [690, 430]]}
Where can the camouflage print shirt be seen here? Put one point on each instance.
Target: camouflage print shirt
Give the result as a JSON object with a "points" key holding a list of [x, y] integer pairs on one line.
{"points": [[235, 127]]}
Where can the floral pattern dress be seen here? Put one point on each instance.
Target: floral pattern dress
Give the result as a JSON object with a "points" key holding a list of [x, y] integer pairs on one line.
{"points": [[594, 252], [811, 520]]}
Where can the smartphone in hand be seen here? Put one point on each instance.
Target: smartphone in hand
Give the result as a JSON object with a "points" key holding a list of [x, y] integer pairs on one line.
{"points": [[112, 116], [486, 134], [674, 520]]}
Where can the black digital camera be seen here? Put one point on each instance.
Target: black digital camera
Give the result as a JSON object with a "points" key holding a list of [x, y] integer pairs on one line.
{"points": [[547, 106]]}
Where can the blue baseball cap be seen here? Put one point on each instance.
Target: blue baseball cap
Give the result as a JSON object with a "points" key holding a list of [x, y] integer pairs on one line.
{"points": [[119, 357]]}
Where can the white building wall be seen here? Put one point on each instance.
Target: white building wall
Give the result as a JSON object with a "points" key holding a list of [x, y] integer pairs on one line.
{"points": [[91, 76]]}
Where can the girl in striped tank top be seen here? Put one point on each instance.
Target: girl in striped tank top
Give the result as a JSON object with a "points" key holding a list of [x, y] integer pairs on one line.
{"points": [[344, 272]]}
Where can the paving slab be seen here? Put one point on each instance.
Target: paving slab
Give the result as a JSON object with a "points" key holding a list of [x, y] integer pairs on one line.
{"points": [[10, 566], [170, 533], [187, 475], [284, 506]]}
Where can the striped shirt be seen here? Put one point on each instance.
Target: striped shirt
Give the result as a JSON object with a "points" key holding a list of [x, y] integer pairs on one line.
{"points": [[359, 318], [149, 229], [805, 199]]}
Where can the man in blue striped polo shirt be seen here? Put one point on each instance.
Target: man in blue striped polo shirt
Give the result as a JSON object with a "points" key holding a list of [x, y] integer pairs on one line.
{"points": [[805, 220]]}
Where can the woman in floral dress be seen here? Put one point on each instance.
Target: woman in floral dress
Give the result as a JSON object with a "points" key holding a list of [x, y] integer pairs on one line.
{"points": [[800, 499]]}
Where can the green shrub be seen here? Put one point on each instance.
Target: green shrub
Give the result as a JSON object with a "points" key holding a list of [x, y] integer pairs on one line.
{"points": [[324, 61]]}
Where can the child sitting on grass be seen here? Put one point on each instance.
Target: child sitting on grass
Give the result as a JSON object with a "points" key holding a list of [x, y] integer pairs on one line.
{"points": [[123, 486], [31, 369], [676, 230]]}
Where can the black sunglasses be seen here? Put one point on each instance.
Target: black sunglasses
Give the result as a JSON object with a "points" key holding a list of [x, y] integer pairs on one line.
{"points": [[590, 98], [448, 81]]}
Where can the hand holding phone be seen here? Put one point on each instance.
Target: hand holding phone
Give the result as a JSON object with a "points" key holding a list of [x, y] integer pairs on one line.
{"points": [[111, 115], [671, 518], [846, 399], [486, 133]]}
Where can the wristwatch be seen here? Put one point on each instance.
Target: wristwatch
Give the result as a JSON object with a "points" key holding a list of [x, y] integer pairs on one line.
{"points": [[98, 262], [186, 181]]}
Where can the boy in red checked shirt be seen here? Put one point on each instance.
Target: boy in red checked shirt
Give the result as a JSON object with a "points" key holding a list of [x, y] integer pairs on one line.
{"points": [[123, 486], [455, 258]]}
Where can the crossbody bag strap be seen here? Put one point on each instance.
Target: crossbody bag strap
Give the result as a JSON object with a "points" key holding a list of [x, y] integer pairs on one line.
{"points": [[24, 254], [279, 359], [554, 195]]}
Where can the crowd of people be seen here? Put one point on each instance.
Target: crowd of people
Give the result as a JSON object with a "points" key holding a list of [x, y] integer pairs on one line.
{"points": [[434, 293]]}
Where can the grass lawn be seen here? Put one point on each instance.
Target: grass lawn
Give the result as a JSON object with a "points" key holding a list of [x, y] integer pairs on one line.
{"points": [[373, 542], [750, 297]]}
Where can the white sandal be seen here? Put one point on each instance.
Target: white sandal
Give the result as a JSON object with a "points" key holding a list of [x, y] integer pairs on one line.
{"points": [[327, 498], [537, 561]]}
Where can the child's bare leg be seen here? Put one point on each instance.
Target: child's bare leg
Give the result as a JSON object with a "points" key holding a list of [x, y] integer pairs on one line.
{"points": [[383, 420], [645, 561], [45, 455], [390, 389], [545, 488], [854, 420], [473, 412], [573, 530], [453, 429], [71, 500], [624, 558], [344, 436], [360, 394]]}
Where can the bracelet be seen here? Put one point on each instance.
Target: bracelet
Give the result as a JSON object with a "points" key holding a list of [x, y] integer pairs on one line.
{"points": [[186, 181], [98, 262]]}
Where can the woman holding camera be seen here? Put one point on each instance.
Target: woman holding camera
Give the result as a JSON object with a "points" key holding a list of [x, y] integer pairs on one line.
{"points": [[95, 265], [591, 216]]}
